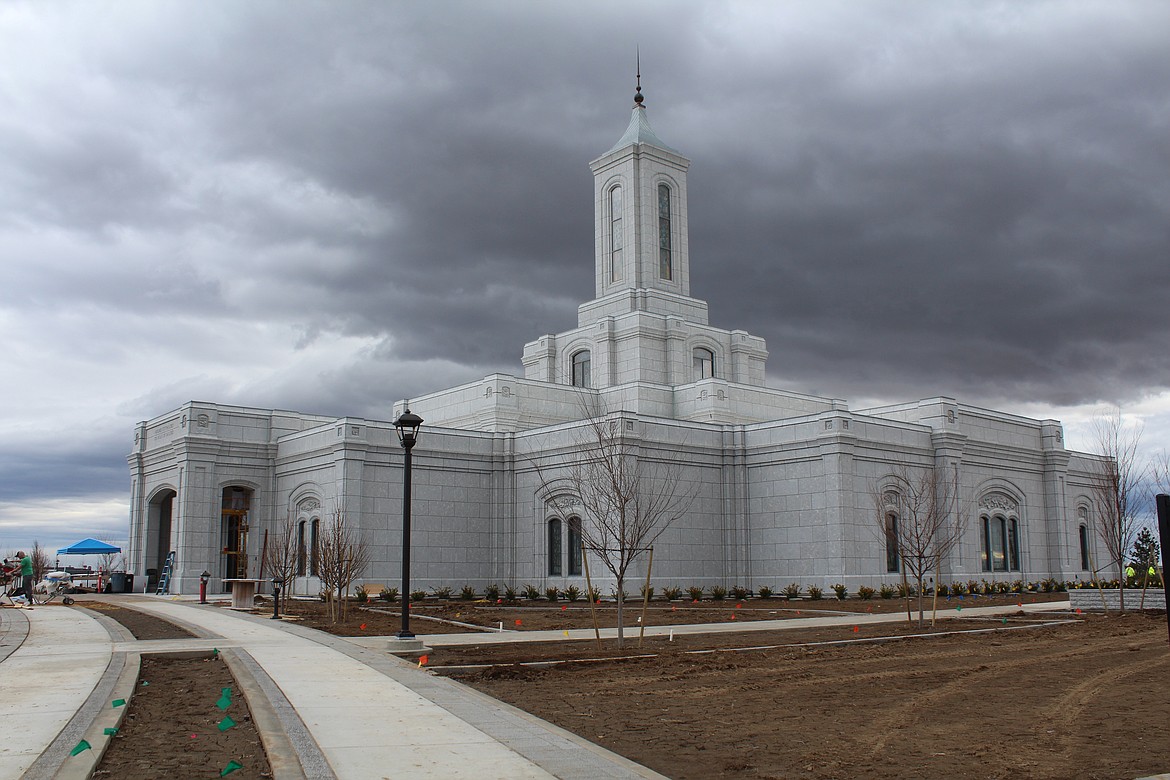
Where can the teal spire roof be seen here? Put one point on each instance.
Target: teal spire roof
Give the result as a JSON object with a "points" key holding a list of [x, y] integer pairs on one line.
{"points": [[640, 132]]}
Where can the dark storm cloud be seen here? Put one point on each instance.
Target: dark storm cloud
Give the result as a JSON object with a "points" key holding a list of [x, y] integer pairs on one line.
{"points": [[202, 200]]}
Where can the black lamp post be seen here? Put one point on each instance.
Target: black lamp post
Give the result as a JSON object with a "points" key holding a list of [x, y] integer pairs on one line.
{"points": [[277, 582], [407, 426]]}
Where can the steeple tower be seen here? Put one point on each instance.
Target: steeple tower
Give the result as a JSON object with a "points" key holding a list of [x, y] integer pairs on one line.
{"points": [[641, 254]]}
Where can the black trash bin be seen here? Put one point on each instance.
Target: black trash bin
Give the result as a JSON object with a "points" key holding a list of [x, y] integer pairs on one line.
{"points": [[118, 582], [129, 583]]}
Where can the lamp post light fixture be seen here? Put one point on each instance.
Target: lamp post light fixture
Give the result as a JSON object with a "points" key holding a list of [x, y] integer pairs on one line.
{"points": [[203, 578], [407, 426]]}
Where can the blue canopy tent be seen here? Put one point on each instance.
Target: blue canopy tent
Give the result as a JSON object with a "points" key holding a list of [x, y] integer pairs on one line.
{"points": [[89, 547]]}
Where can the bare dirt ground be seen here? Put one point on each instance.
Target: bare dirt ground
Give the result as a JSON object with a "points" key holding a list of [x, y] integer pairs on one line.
{"points": [[379, 618], [171, 728], [1053, 702]]}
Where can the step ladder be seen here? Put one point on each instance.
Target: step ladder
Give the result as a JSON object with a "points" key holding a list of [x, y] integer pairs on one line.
{"points": [[164, 579]]}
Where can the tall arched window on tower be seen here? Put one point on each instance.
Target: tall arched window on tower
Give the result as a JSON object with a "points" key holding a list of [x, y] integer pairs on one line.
{"points": [[581, 368], [314, 546], [704, 362], [665, 263], [615, 235], [554, 547]]}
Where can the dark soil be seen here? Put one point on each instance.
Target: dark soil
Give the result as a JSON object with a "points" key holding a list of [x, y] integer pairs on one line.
{"points": [[171, 727], [140, 624], [1082, 700], [433, 616]]}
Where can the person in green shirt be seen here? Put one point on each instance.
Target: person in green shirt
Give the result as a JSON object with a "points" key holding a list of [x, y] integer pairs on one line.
{"points": [[26, 576]]}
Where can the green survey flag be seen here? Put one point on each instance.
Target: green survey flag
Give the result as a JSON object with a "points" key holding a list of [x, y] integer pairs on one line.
{"points": [[226, 723], [231, 767], [225, 700], [119, 703], [110, 732], [82, 746]]}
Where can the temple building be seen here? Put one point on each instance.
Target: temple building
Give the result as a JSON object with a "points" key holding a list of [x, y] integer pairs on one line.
{"points": [[784, 483]]}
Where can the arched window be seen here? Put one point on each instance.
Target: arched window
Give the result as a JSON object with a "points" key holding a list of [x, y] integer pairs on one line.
{"points": [[554, 547], [581, 368], [665, 264], [315, 546], [1084, 534], [704, 363], [999, 543], [574, 546], [1013, 549], [616, 239], [301, 549], [893, 560]]}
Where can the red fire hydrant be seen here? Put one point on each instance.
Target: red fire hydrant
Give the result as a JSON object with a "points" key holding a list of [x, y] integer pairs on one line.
{"points": [[203, 578]]}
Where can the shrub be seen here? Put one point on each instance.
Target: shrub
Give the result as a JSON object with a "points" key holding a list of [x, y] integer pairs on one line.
{"points": [[865, 592], [418, 595], [1048, 585], [765, 592], [972, 586], [718, 593], [467, 593], [531, 592], [443, 593], [647, 593], [841, 591], [594, 595], [572, 593], [988, 588], [509, 593], [942, 589], [1003, 586], [695, 593], [613, 593], [552, 593], [739, 592], [792, 591], [361, 595], [1061, 586], [886, 592], [492, 593], [389, 594], [672, 593], [1018, 586], [906, 590], [958, 589], [814, 593]]}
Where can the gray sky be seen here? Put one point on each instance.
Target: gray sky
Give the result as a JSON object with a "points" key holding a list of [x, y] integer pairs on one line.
{"points": [[326, 206]]}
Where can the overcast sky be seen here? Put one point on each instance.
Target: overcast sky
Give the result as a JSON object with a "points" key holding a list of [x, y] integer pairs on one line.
{"points": [[327, 206]]}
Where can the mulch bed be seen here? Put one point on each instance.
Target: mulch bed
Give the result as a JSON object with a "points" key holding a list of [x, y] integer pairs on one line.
{"points": [[432, 616]]}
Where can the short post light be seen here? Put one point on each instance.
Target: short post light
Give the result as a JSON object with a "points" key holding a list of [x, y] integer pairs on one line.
{"points": [[203, 578], [407, 426], [276, 583]]}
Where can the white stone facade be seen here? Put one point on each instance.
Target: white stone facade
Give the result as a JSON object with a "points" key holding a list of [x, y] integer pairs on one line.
{"points": [[784, 482]]}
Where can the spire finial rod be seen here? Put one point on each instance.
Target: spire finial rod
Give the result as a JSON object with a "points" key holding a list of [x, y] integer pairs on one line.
{"points": [[638, 89]]}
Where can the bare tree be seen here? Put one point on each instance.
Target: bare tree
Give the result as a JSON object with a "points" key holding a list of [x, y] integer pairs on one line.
{"points": [[40, 561], [342, 557], [628, 500], [921, 521], [283, 555], [1117, 485]]}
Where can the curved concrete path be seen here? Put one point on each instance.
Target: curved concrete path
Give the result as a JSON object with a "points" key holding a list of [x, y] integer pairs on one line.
{"points": [[367, 714], [332, 707]]}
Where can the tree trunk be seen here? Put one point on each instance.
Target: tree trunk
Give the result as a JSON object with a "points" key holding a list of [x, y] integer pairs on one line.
{"points": [[621, 626]]}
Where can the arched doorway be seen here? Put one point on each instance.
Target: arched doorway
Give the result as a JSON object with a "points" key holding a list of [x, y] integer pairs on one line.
{"points": [[237, 502], [159, 514]]}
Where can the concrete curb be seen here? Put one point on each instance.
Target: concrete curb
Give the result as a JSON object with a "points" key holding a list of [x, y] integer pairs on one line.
{"points": [[117, 682], [292, 752], [13, 629]]}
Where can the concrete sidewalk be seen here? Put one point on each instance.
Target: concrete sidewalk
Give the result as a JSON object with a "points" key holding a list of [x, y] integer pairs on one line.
{"points": [[56, 656], [346, 708], [367, 714]]}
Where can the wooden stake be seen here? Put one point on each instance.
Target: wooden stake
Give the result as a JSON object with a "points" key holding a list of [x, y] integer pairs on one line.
{"points": [[589, 595], [645, 599]]}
